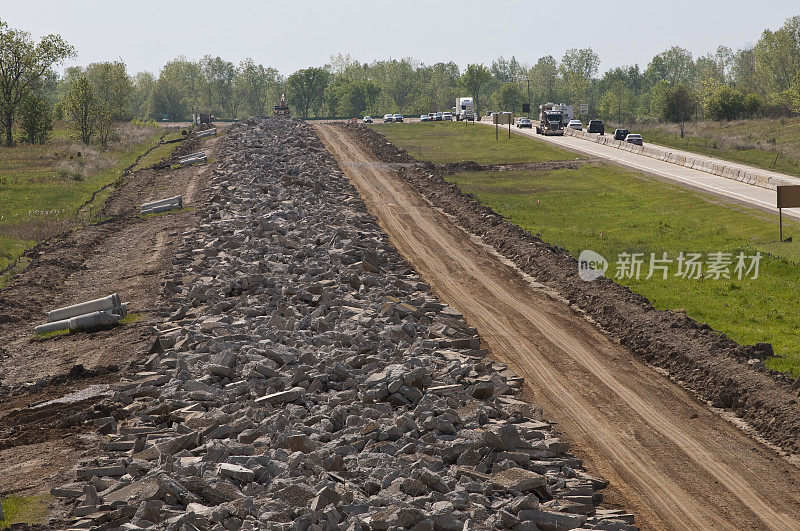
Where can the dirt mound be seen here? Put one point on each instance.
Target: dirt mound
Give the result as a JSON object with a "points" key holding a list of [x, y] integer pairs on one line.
{"points": [[703, 360]]}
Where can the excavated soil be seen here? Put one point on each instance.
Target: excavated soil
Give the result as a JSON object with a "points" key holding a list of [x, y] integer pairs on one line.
{"points": [[701, 359], [126, 253]]}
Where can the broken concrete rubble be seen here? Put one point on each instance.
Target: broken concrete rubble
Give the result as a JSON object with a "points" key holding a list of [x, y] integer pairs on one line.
{"points": [[308, 379]]}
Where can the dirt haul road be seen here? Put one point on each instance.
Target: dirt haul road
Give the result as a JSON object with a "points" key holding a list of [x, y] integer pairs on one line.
{"points": [[670, 460]]}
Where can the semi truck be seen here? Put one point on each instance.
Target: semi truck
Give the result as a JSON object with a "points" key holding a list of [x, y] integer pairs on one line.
{"points": [[567, 111], [464, 109], [551, 120]]}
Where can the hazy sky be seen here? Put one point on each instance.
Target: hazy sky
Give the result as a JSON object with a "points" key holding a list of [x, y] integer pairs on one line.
{"points": [[299, 33]]}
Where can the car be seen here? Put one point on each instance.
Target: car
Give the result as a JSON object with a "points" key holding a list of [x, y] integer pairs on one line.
{"points": [[524, 121], [620, 134], [438, 117], [447, 117], [368, 119], [424, 118], [398, 117], [596, 126], [634, 139], [489, 113], [432, 116], [575, 124], [388, 118]]}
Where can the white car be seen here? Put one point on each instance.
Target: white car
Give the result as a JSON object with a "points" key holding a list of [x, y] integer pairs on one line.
{"points": [[424, 118], [388, 118], [575, 124], [447, 117], [368, 119], [398, 117]]}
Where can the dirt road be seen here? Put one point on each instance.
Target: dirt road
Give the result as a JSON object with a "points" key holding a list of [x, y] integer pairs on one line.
{"points": [[669, 459]]}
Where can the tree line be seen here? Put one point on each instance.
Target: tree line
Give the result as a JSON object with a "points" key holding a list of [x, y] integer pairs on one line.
{"points": [[760, 80]]}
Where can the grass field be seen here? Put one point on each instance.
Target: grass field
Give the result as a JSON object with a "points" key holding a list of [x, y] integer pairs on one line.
{"points": [[772, 144], [611, 210], [30, 510], [443, 142], [42, 186]]}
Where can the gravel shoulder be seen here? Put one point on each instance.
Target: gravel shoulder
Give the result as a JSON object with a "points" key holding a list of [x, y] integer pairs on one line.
{"points": [[668, 457]]}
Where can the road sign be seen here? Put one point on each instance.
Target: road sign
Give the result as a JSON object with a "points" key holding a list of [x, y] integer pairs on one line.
{"points": [[502, 118], [584, 108], [788, 197], [526, 107]]}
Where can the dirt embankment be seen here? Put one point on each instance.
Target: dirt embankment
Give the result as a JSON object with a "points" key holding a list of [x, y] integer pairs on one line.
{"points": [[703, 360]]}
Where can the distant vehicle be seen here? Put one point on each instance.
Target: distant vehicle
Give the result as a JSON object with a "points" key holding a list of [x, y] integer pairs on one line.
{"points": [[524, 121], [634, 139], [437, 117], [432, 116], [398, 117], [368, 119], [575, 124], [489, 113], [424, 118], [596, 126], [567, 111], [551, 121], [620, 134], [388, 118], [464, 109], [447, 117]]}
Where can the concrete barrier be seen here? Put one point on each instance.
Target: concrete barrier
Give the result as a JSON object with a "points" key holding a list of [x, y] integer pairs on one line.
{"points": [[207, 132], [195, 158], [97, 313], [163, 205], [720, 169]]}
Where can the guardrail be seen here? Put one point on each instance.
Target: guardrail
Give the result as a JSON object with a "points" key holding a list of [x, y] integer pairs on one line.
{"points": [[755, 178]]}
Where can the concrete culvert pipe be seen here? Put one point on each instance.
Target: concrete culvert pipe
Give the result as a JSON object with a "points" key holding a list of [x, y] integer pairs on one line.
{"points": [[207, 132], [192, 155], [103, 303], [195, 160], [93, 320]]}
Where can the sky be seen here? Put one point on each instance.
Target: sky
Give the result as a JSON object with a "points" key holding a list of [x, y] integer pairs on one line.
{"points": [[295, 34]]}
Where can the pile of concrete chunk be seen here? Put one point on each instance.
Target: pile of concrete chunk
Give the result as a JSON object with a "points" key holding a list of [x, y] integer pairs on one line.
{"points": [[97, 313], [308, 379], [163, 205]]}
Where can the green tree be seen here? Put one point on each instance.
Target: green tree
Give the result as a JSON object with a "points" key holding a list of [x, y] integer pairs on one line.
{"points": [[143, 83], [673, 66], [82, 109], [676, 103], [473, 79], [22, 64], [577, 68], [306, 88], [36, 118], [509, 97], [113, 89], [218, 78], [725, 103]]}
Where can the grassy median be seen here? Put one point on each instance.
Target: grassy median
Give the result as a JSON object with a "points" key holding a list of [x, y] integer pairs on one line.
{"points": [[619, 213], [443, 142]]}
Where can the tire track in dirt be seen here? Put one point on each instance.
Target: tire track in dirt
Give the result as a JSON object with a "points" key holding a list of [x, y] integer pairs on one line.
{"points": [[631, 424]]}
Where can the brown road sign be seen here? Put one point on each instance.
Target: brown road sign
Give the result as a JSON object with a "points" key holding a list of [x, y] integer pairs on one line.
{"points": [[789, 196]]}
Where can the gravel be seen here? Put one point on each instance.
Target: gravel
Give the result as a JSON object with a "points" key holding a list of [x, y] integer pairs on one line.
{"points": [[308, 379]]}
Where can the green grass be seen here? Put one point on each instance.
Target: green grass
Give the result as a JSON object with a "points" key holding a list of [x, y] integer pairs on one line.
{"points": [[443, 142], [160, 153], [771, 144], [29, 509], [611, 210], [42, 186]]}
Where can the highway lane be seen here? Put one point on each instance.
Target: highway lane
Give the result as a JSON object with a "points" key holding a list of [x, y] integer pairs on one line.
{"points": [[746, 194]]}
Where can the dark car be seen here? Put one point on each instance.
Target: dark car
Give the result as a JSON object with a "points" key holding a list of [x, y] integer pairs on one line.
{"points": [[596, 126], [620, 134], [634, 139]]}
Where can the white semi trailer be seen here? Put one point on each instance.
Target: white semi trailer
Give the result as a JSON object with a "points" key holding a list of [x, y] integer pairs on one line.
{"points": [[464, 109]]}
